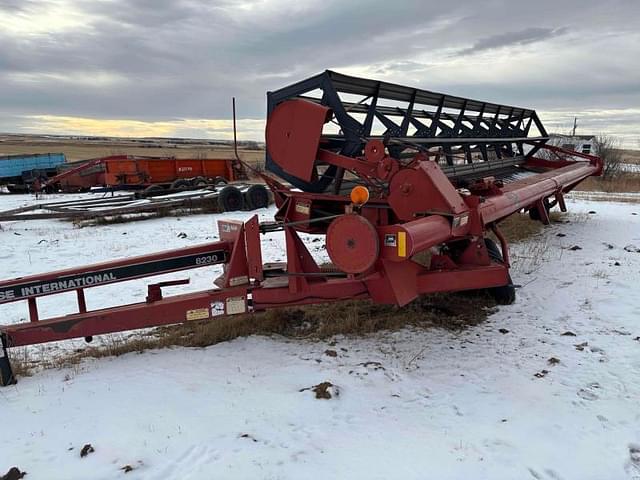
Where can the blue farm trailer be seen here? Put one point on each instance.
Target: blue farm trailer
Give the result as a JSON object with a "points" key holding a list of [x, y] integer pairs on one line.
{"points": [[19, 172]]}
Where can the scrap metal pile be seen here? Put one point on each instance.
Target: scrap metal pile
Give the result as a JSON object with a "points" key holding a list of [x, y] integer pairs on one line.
{"points": [[385, 173]]}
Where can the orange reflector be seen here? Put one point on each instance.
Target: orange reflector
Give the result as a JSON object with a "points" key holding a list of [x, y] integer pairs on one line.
{"points": [[359, 195], [402, 244]]}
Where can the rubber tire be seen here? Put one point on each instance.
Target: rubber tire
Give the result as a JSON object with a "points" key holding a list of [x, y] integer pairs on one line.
{"points": [[220, 181], [506, 294], [153, 189], [230, 199], [180, 184], [256, 197], [199, 182], [533, 212]]}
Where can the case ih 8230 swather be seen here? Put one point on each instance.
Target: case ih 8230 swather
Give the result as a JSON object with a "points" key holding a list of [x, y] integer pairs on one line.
{"points": [[385, 172]]}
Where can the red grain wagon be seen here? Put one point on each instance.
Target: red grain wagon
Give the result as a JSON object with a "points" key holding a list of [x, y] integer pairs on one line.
{"points": [[125, 171]]}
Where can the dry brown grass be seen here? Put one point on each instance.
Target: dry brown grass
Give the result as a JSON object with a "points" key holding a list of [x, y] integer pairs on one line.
{"points": [[519, 227], [630, 156], [627, 182], [453, 311], [595, 196], [22, 363]]}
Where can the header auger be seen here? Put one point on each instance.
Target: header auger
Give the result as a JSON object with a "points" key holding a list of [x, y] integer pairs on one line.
{"points": [[385, 172]]}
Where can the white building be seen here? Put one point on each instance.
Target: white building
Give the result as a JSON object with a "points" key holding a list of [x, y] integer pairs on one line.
{"points": [[577, 143]]}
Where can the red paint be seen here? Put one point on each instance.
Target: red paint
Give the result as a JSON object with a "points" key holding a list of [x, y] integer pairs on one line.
{"points": [[352, 243], [293, 134]]}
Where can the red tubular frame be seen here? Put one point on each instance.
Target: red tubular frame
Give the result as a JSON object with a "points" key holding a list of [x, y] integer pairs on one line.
{"points": [[524, 193], [34, 286]]}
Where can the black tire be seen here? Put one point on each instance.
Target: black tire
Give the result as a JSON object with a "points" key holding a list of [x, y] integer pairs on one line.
{"points": [[533, 211], [199, 182], [506, 294], [220, 181], [180, 184], [152, 190], [256, 197], [230, 199]]}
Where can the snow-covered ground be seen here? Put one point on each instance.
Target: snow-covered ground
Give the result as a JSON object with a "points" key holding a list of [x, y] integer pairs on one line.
{"points": [[412, 403], [630, 167]]}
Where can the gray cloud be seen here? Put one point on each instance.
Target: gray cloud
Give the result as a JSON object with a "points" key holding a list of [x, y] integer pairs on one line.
{"points": [[520, 37], [16, 6], [158, 60]]}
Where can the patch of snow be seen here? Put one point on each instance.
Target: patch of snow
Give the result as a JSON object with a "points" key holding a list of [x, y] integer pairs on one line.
{"points": [[630, 167], [412, 403]]}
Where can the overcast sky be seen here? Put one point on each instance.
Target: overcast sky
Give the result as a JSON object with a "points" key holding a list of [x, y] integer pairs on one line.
{"points": [[170, 67]]}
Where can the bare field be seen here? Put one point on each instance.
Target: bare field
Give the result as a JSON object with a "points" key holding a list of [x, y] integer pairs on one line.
{"points": [[625, 183], [631, 156], [81, 149], [85, 148]]}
